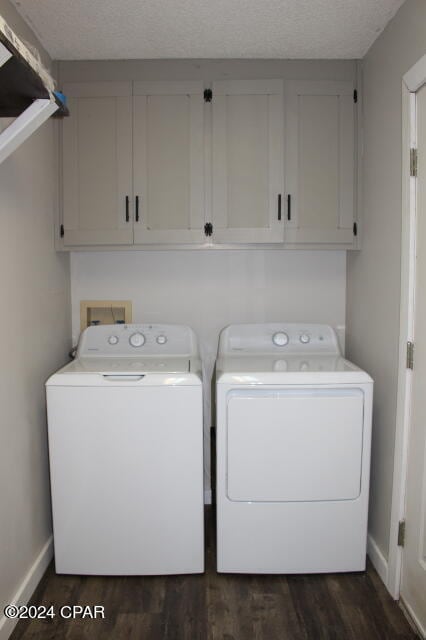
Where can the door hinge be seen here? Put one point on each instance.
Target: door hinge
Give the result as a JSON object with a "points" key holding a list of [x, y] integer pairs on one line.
{"points": [[208, 95], [413, 163], [401, 533], [410, 355], [355, 95], [208, 229], [61, 231], [355, 229]]}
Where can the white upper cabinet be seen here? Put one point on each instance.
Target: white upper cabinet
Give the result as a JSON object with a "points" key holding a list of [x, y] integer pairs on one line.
{"points": [[168, 162], [319, 162], [247, 157], [97, 165]]}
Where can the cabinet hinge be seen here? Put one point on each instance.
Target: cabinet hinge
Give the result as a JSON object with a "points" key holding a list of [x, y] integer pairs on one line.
{"points": [[62, 231], [413, 163], [355, 229], [208, 229], [401, 533], [208, 95], [410, 355], [355, 96]]}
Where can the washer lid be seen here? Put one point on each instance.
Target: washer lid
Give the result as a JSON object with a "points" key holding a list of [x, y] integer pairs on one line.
{"points": [[132, 365], [94, 371], [289, 370]]}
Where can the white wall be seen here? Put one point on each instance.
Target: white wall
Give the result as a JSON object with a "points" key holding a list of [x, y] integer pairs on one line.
{"points": [[35, 328], [373, 281], [210, 289]]}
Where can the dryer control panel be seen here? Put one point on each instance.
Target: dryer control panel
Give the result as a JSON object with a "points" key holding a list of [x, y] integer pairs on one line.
{"points": [[274, 338], [127, 340]]}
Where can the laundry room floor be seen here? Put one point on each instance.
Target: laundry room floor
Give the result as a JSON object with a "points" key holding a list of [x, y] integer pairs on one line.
{"points": [[220, 606]]}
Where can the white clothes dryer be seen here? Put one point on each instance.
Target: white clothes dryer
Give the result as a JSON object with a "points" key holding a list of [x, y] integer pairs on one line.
{"points": [[126, 453], [293, 451]]}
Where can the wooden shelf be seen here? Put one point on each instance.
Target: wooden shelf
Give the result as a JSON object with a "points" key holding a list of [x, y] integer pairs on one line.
{"points": [[23, 79], [27, 92]]}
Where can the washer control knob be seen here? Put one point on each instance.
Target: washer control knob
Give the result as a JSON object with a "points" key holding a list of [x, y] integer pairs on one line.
{"points": [[113, 340], [305, 338], [280, 339], [137, 340], [161, 339]]}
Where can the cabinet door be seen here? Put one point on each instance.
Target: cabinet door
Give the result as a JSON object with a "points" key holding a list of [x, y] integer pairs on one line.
{"points": [[247, 145], [168, 162], [97, 164], [320, 162]]}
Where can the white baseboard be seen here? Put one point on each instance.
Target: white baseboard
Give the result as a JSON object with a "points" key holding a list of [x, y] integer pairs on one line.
{"points": [[378, 559], [413, 620], [207, 497], [27, 587]]}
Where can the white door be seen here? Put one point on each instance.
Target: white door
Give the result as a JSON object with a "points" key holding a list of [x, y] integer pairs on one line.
{"points": [[299, 445], [168, 162], [247, 143], [413, 582], [97, 164], [319, 162]]}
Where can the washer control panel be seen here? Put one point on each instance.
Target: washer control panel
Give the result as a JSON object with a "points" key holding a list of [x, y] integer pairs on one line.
{"points": [[271, 338], [137, 339]]}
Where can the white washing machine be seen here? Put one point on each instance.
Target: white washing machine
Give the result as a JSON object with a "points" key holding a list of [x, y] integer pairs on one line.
{"points": [[293, 451], [126, 453]]}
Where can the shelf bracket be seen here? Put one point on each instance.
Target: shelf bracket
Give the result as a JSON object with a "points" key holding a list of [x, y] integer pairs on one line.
{"points": [[24, 125]]}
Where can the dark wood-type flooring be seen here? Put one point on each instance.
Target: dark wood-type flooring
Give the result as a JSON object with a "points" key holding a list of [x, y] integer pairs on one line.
{"points": [[221, 607]]}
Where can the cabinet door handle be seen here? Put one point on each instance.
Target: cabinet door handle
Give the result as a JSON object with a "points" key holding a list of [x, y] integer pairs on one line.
{"points": [[279, 206], [137, 208], [127, 209], [289, 207]]}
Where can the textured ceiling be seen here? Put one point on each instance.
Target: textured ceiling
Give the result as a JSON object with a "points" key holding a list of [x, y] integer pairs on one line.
{"points": [[106, 29]]}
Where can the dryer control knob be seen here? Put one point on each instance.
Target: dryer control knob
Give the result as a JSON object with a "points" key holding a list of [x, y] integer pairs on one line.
{"points": [[113, 340], [161, 339], [280, 339], [137, 340], [305, 338]]}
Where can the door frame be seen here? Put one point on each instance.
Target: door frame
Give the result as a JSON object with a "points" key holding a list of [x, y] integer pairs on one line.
{"points": [[412, 81]]}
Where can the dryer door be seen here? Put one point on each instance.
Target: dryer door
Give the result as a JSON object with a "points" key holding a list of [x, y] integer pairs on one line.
{"points": [[294, 445]]}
